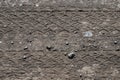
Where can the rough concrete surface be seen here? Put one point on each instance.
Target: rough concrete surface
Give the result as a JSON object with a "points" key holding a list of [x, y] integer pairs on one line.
{"points": [[109, 5], [39, 43]]}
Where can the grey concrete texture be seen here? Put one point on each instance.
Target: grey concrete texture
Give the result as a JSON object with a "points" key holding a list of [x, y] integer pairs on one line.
{"points": [[38, 45], [97, 65], [59, 40], [35, 30], [65, 4]]}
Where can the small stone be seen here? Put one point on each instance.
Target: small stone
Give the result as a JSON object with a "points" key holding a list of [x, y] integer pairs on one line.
{"points": [[49, 48], [20, 42], [12, 42], [24, 57], [25, 48], [117, 49], [71, 55], [37, 5], [67, 43], [115, 42], [81, 75], [65, 53]]}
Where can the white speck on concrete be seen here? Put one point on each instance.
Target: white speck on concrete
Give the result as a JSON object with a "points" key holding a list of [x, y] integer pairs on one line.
{"points": [[71, 65], [37, 5], [30, 44], [0, 41], [84, 22], [12, 42], [11, 23], [5, 25], [24, 56], [20, 42], [20, 4], [118, 5], [25, 47], [67, 43], [106, 46], [13, 5], [88, 34]]}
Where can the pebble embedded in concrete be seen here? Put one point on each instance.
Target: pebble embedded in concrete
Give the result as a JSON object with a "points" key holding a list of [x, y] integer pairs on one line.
{"points": [[25, 48], [118, 5], [49, 48], [24, 57], [65, 53], [88, 34], [84, 22], [12, 42], [115, 42], [67, 43], [80, 75], [20, 42], [71, 55]]}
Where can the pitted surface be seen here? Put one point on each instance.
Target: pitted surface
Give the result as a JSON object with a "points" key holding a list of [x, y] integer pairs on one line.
{"points": [[35, 30], [43, 44]]}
